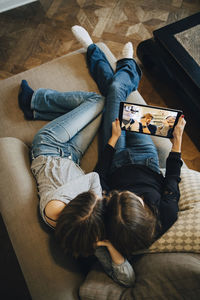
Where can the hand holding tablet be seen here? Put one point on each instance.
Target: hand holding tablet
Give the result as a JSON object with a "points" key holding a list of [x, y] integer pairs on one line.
{"points": [[148, 119]]}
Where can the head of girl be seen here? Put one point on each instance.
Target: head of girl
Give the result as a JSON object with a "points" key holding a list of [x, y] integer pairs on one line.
{"points": [[148, 118], [130, 223], [170, 120], [80, 225]]}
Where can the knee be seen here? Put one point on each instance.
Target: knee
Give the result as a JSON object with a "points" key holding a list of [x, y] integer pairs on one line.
{"points": [[97, 100], [115, 85], [115, 88], [96, 97]]}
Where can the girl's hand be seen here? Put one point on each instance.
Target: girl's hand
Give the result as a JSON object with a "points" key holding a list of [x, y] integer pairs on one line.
{"points": [[116, 132], [179, 128], [117, 258], [177, 134]]}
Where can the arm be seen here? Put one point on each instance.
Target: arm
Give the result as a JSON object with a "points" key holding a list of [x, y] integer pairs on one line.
{"points": [[178, 134], [116, 257], [116, 132], [114, 264], [170, 197], [95, 185], [104, 163], [71, 189]]}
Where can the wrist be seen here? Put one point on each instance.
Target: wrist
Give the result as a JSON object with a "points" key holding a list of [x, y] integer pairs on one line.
{"points": [[176, 148], [117, 258], [113, 140]]}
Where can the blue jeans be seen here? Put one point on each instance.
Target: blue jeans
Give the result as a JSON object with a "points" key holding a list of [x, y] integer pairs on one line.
{"points": [[116, 86], [75, 119], [74, 115]]}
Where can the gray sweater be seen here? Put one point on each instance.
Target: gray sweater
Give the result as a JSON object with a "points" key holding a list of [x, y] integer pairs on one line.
{"points": [[61, 179]]}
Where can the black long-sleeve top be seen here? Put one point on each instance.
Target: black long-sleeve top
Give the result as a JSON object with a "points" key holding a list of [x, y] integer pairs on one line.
{"points": [[160, 193]]}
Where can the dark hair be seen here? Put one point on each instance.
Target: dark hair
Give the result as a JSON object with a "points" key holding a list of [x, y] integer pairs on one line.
{"points": [[147, 115], [80, 225], [130, 225], [170, 117]]}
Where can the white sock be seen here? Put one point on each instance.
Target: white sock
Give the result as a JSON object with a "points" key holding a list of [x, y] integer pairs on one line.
{"points": [[127, 51], [82, 36]]}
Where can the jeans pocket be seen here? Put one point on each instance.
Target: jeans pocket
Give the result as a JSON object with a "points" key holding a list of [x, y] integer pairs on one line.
{"points": [[146, 159], [46, 151], [121, 158], [153, 164], [126, 157]]}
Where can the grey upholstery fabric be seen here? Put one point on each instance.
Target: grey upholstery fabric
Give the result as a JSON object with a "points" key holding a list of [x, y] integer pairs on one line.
{"points": [[158, 277], [48, 274]]}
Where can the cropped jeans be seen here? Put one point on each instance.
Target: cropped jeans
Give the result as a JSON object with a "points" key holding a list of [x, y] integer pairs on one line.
{"points": [[75, 116], [131, 148]]}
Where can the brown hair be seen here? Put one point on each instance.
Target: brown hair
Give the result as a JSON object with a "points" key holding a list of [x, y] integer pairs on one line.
{"points": [[147, 115], [80, 225], [130, 225]]}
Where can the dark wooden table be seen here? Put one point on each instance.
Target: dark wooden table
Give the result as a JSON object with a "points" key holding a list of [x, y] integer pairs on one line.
{"points": [[173, 55]]}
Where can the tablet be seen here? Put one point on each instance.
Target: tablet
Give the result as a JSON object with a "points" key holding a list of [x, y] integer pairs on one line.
{"points": [[148, 119]]}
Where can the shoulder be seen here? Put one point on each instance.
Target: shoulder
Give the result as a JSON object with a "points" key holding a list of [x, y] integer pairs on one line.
{"points": [[52, 211]]}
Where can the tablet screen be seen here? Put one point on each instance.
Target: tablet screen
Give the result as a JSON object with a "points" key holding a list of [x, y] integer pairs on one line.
{"points": [[148, 119]]}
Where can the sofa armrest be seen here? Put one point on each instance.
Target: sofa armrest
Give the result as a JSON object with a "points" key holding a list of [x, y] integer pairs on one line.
{"points": [[48, 274]]}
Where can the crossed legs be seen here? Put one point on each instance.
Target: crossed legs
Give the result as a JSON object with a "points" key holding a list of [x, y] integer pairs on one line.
{"points": [[116, 87]]}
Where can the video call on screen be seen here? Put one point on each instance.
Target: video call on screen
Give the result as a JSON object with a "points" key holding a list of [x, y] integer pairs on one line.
{"points": [[148, 120]]}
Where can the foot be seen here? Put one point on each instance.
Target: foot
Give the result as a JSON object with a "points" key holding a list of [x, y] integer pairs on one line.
{"points": [[82, 36], [127, 51], [24, 99]]}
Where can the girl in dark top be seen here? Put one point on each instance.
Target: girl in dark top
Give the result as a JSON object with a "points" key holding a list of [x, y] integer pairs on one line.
{"points": [[141, 203], [145, 204]]}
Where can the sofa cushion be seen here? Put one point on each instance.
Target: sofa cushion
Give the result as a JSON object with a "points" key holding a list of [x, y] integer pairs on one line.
{"points": [[99, 286], [184, 235], [48, 273], [63, 74], [48, 276], [160, 276]]}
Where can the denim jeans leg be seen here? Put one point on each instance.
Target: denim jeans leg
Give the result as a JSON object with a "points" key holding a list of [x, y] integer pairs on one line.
{"points": [[100, 68], [49, 104], [53, 138], [124, 81], [77, 146], [143, 145]]}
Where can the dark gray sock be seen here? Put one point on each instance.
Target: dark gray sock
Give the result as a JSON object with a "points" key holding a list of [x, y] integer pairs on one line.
{"points": [[24, 99]]}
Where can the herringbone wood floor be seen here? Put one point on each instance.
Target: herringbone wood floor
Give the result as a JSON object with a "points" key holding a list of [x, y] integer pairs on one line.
{"points": [[41, 31]]}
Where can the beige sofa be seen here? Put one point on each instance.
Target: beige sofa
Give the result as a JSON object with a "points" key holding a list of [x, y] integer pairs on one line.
{"points": [[47, 272]]}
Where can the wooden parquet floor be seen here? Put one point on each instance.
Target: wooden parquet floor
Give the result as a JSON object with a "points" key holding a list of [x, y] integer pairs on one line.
{"points": [[33, 34], [41, 31]]}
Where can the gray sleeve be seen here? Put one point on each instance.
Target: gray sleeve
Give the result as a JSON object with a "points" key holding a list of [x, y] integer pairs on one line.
{"points": [[95, 185], [122, 274]]}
